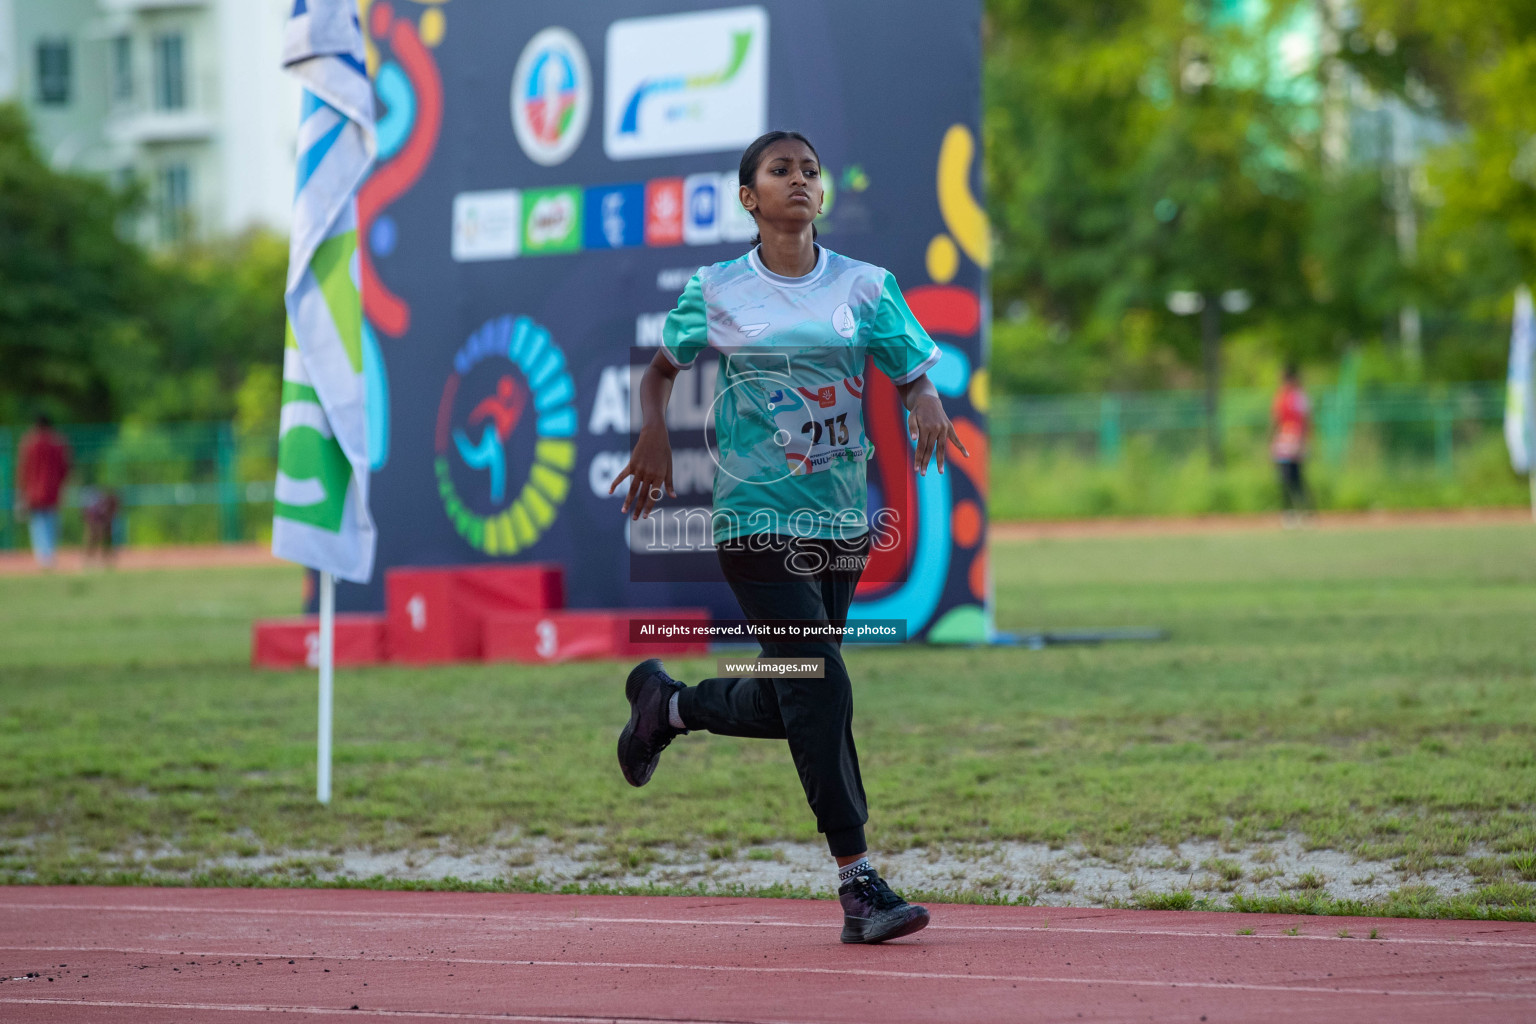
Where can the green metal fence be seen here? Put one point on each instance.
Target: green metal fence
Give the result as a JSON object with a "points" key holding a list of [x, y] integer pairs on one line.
{"points": [[180, 482], [203, 482], [1406, 422]]}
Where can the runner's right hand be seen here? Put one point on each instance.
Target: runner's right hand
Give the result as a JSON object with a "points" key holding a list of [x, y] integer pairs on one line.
{"points": [[650, 470]]}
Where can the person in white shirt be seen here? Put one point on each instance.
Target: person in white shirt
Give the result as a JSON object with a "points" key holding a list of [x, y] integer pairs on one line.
{"points": [[793, 322]]}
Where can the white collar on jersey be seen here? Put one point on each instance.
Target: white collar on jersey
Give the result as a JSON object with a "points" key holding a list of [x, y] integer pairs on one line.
{"points": [[756, 263]]}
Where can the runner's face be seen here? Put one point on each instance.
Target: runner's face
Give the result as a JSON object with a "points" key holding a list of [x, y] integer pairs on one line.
{"points": [[788, 191]]}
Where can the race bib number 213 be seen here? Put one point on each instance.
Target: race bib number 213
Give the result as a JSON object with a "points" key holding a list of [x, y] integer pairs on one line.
{"points": [[823, 424]]}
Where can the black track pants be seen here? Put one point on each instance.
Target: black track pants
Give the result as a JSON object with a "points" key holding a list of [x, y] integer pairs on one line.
{"points": [[814, 715], [1293, 489]]}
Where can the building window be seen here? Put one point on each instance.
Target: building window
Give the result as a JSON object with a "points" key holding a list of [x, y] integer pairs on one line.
{"points": [[122, 68], [53, 72], [175, 202], [170, 72]]}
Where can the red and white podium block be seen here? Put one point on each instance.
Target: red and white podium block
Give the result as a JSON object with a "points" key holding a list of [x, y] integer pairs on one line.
{"points": [[542, 638], [437, 615], [295, 643]]}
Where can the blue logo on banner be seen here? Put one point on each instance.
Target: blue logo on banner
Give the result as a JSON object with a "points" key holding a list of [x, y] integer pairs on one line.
{"points": [[702, 203], [615, 217]]}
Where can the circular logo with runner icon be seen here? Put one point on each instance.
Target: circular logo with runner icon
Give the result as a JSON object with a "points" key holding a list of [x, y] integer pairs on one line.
{"points": [[505, 442], [551, 96]]}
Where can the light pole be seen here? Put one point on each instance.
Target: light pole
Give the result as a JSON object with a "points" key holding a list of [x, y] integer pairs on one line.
{"points": [[1210, 307]]}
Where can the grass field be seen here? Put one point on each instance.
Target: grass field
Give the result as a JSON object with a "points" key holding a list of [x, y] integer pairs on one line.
{"points": [[1364, 691]]}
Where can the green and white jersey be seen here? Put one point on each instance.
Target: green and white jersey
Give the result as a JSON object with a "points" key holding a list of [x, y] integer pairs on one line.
{"points": [[788, 412]]}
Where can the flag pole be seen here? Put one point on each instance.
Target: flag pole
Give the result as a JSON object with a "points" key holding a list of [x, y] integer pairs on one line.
{"points": [[327, 659]]}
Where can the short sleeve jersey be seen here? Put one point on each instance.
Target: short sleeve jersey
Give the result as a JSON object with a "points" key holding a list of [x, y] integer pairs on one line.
{"points": [[788, 414]]}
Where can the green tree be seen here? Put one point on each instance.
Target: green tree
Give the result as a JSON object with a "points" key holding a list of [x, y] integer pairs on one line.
{"points": [[1472, 62], [73, 334], [1149, 146], [218, 317], [95, 329]]}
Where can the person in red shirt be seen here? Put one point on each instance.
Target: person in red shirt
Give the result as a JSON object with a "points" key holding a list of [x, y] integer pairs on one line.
{"points": [[41, 468], [1290, 420]]}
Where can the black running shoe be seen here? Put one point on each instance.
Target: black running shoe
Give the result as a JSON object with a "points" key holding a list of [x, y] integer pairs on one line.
{"points": [[873, 913], [649, 690]]}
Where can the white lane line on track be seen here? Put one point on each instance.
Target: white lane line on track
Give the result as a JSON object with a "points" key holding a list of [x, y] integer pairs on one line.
{"points": [[523, 919], [1228, 986], [352, 1014]]}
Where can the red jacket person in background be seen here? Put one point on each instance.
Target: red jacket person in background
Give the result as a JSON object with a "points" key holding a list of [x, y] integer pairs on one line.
{"points": [[1290, 419], [41, 468]]}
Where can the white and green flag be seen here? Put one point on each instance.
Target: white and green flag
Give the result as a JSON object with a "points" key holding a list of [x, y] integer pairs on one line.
{"points": [[320, 515], [1519, 412]]}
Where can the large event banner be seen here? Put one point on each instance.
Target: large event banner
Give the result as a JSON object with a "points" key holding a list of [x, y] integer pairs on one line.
{"points": [[550, 175]]}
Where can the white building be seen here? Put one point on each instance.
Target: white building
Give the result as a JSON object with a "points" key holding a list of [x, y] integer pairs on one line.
{"points": [[187, 96]]}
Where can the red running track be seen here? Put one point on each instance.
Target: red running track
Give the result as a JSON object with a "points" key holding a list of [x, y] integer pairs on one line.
{"points": [[133, 956]]}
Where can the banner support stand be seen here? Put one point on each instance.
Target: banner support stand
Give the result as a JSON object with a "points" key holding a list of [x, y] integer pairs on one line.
{"points": [[327, 663]]}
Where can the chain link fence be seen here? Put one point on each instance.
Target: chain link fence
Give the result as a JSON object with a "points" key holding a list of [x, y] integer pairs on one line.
{"points": [[207, 482], [1403, 422], [175, 483], [1372, 447]]}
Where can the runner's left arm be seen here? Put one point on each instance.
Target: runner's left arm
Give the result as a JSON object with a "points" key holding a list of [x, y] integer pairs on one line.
{"points": [[903, 350], [928, 424]]}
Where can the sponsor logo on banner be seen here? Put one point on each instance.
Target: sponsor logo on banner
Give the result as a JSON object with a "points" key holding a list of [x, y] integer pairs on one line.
{"points": [[487, 225], [664, 211], [701, 209], [614, 217], [551, 96], [685, 83], [551, 220], [736, 224], [505, 444]]}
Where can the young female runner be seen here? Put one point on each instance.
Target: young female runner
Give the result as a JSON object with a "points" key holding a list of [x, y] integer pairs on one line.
{"points": [[793, 322]]}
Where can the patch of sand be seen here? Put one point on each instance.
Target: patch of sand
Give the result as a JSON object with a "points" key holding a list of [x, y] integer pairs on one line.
{"points": [[1054, 877]]}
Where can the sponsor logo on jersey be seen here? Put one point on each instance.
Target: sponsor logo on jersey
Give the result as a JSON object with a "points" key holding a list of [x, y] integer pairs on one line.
{"points": [[664, 211], [614, 217], [685, 83], [551, 220], [843, 322], [551, 96]]}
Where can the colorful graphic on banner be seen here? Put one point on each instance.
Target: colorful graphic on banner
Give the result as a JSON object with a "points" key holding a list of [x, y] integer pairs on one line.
{"points": [[509, 374], [664, 211], [593, 249], [551, 220], [551, 96], [939, 528], [686, 83], [409, 87], [487, 225], [701, 209], [615, 217], [409, 91]]}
